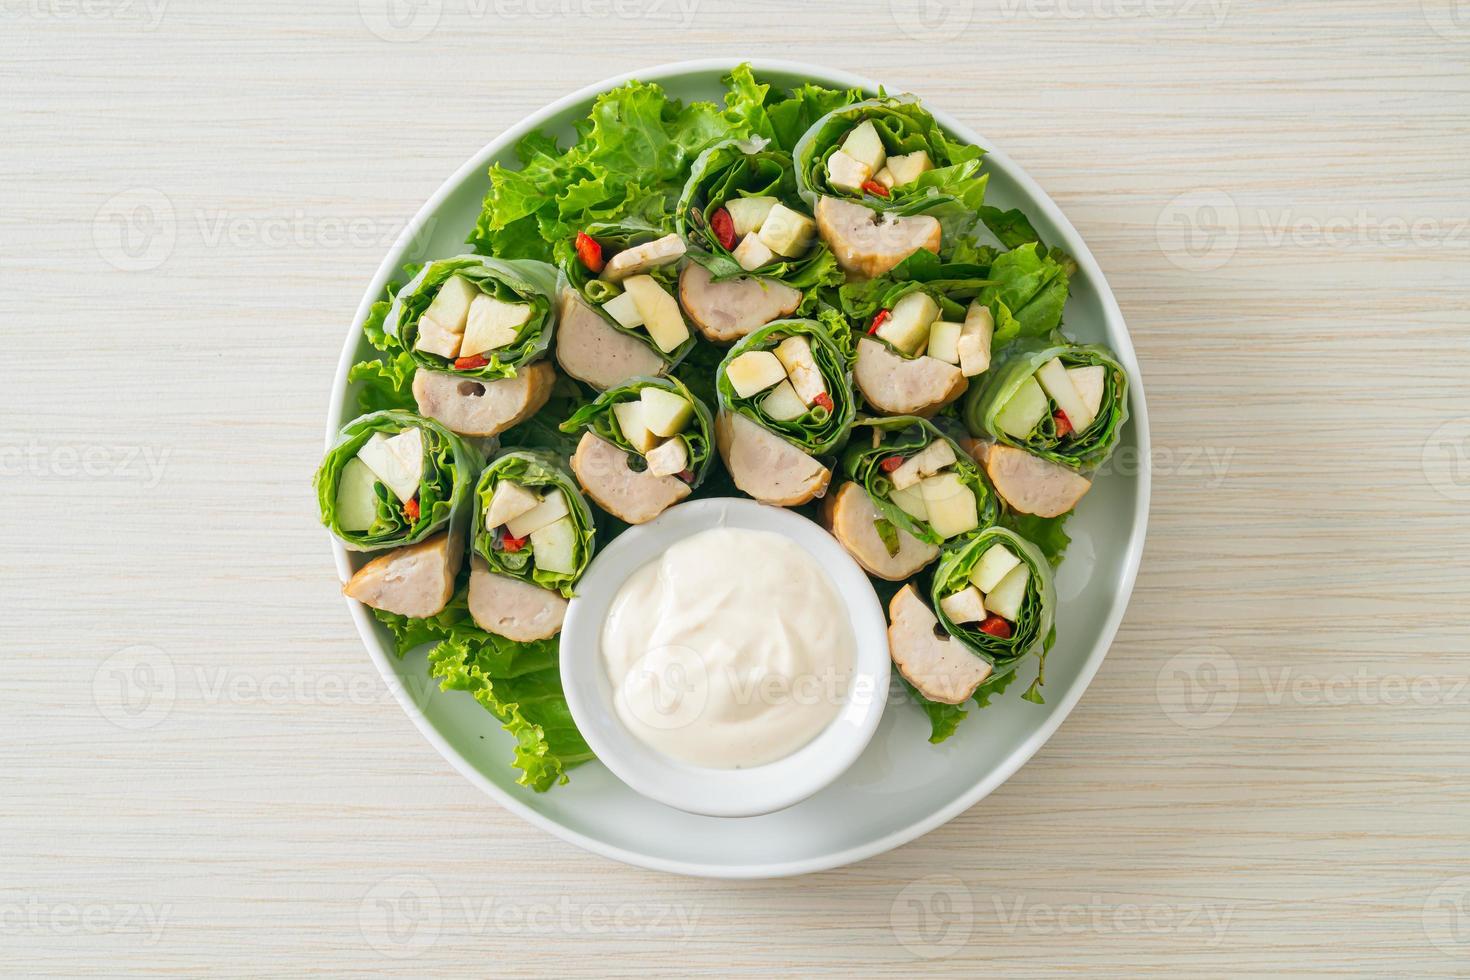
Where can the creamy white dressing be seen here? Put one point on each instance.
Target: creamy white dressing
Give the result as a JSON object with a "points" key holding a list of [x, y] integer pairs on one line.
{"points": [[732, 649]]}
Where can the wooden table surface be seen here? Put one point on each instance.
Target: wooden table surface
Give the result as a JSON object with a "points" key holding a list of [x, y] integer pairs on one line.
{"points": [[202, 770]]}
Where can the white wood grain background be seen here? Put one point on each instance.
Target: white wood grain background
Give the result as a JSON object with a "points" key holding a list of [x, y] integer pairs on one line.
{"points": [[1270, 774]]}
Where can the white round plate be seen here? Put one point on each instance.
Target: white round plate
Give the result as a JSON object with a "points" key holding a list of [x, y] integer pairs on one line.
{"points": [[901, 787]]}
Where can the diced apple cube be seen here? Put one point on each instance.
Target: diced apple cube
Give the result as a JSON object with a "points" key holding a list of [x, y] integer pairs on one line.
{"points": [[748, 213], [622, 309], [754, 371], [554, 547], [864, 145], [993, 566], [492, 324], [1005, 599], [1053, 378], [944, 341], [847, 174], [926, 462], [795, 355], [884, 177], [907, 167], [665, 412], [451, 305], [552, 507], [907, 327], [787, 232], [357, 503], [509, 501], [633, 423], [965, 606], [1019, 415], [974, 343], [668, 458], [398, 461], [752, 253], [910, 500], [950, 503], [783, 403], [660, 311], [434, 338], [1089, 384]]}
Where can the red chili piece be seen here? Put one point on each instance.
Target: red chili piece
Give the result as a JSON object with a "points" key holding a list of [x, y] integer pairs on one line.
{"points": [[891, 463], [411, 508], [873, 187], [512, 544], [724, 228], [996, 627], [825, 400], [470, 363], [589, 251], [1064, 424]]}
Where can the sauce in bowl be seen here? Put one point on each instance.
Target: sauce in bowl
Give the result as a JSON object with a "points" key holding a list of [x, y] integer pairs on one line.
{"points": [[730, 650]]}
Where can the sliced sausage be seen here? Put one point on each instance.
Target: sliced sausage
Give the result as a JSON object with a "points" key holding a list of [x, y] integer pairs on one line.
{"points": [[641, 258], [929, 658], [727, 310], [870, 243], [416, 580], [766, 466], [511, 608], [590, 350], [896, 385], [1033, 485], [483, 408], [602, 469], [849, 514]]}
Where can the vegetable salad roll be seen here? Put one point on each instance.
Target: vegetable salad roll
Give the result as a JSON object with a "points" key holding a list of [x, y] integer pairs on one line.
{"points": [[922, 481], [785, 397], [991, 603], [753, 244], [922, 345], [626, 274], [531, 522], [1065, 403], [885, 155], [647, 445], [394, 479], [475, 316]]}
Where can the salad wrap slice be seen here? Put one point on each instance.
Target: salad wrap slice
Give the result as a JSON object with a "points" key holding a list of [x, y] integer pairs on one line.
{"points": [[568, 537], [1064, 402], [875, 458], [429, 493], [945, 182], [582, 257], [822, 424], [1028, 628], [519, 315], [601, 418], [732, 189]]}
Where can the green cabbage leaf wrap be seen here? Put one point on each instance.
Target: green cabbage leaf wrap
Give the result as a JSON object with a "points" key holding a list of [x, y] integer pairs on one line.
{"points": [[1033, 630], [511, 281], [953, 191], [820, 430], [903, 436], [450, 467], [614, 237], [597, 417], [738, 169], [537, 471], [1084, 450]]}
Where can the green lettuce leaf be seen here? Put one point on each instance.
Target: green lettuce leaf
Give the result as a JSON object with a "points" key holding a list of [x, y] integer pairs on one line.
{"points": [[1028, 291]]}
